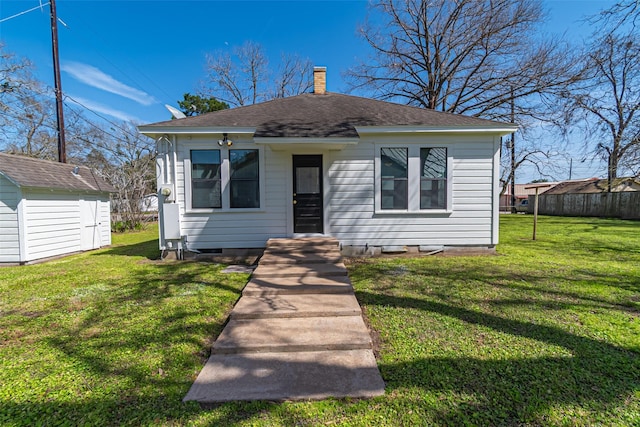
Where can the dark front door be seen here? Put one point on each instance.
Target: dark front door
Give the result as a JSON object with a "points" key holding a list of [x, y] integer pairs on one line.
{"points": [[307, 194]]}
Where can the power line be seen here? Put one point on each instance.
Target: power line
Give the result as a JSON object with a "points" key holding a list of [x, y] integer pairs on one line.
{"points": [[42, 5], [101, 116], [92, 124], [46, 92], [77, 115], [136, 83]]}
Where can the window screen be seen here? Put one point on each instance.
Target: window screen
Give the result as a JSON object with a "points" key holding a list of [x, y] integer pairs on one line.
{"points": [[433, 178], [394, 177], [244, 181], [205, 179]]}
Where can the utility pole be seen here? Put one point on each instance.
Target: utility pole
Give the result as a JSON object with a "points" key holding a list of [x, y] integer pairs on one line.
{"points": [[62, 150], [513, 156], [570, 168]]}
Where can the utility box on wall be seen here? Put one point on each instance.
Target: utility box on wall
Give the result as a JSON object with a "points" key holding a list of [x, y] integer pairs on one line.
{"points": [[171, 221]]}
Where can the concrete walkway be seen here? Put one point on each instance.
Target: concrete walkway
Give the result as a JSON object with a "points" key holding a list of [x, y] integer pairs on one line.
{"points": [[296, 333]]}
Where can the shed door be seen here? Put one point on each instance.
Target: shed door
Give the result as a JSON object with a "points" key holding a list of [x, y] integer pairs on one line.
{"points": [[90, 224], [307, 194]]}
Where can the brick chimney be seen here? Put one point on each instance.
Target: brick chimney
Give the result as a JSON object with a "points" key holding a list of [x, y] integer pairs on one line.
{"points": [[319, 80]]}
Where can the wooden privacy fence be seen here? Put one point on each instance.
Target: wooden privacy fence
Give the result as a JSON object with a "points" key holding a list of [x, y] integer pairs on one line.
{"points": [[624, 205]]}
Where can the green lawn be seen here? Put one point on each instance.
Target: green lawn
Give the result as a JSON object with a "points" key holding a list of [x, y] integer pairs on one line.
{"points": [[546, 333]]}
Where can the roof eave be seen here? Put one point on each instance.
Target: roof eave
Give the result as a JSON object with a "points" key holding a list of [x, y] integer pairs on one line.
{"points": [[10, 179], [157, 131], [500, 130], [67, 190]]}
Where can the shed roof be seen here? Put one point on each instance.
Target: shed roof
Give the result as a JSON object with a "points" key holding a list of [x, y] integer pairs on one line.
{"points": [[36, 173], [330, 115]]}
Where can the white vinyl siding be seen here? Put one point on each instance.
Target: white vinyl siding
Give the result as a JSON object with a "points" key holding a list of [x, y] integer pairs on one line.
{"points": [[468, 221], [51, 223], [351, 204], [238, 227], [9, 232]]}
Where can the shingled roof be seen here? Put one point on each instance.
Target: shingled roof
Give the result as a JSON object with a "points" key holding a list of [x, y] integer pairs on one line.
{"points": [[595, 185], [36, 173], [329, 115]]}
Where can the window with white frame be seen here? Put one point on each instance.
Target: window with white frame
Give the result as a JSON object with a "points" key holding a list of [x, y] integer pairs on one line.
{"points": [[224, 179], [206, 185], [394, 178], [244, 179], [413, 179], [433, 178]]}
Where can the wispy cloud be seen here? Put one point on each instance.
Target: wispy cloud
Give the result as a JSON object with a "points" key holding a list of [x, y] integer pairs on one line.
{"points": [[94, 77], [103, 109]]}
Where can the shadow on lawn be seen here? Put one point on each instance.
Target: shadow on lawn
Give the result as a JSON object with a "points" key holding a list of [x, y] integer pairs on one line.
{"points": [[128, 372], [161, 407], [148, 249], [422, 275], [598, 376]]}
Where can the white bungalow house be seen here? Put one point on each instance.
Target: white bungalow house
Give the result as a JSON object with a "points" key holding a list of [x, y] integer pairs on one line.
{"points": [[375, 175], [48, 209]]}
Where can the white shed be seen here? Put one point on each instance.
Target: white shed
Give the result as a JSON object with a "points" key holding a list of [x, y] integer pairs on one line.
{"points": [[48, 209], [377, 176]]}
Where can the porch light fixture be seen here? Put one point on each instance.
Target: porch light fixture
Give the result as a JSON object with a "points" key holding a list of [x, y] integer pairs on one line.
{"points": [[225, 141]]}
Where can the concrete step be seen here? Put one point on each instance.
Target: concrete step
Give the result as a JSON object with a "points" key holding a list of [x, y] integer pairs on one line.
{"points": [[287, 376], [293, 335], [300, 270], [295, 257], [329, 250], [288, 306], [304, 245], [297, 285], [302, 242]]}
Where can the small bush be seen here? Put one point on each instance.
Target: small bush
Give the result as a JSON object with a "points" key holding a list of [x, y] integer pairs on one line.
{"points": [[123, 226]]}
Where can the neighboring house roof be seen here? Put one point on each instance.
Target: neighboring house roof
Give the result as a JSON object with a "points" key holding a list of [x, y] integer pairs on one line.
{"points": [[525, 190], [595, 185], [37, 173], [530, 189], [328, 115]]}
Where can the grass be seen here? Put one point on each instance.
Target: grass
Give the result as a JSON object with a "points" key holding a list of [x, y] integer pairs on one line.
{"points": [[546, 333]]}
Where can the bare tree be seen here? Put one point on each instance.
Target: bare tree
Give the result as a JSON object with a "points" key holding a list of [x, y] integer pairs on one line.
{"points": [[29, 126], [125, 159], [483, 58], [621, 13], [120, 154], [31, 131], [468, 56], [239, 79], [245, 77], [28, 119], [294, 76], [631, 162], [607, 101], [15, 73]]}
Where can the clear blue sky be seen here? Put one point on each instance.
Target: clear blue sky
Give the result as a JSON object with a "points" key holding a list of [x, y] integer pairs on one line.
{"points": [[126, 59]]}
